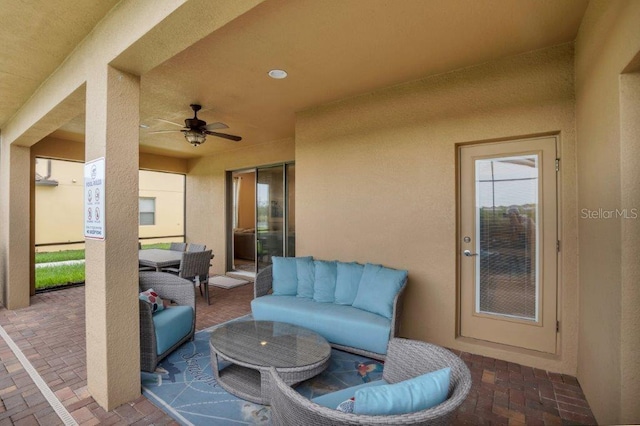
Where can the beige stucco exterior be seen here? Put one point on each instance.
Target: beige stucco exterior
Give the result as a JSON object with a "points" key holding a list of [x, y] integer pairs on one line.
{"points": [[391, 195], [607, 102], [375, 182]]}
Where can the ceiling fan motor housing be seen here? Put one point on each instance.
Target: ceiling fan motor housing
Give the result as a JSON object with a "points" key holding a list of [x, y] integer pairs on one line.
{"points": [[194, 123]]}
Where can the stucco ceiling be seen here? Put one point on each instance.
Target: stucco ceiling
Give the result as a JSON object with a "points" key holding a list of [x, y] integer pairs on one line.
{"points": [[35, 38], [331, 49]]}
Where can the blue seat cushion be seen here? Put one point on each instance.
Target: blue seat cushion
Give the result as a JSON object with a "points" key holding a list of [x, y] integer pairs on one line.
{"points": [[171, 325], [339, 324], [333, 399]]}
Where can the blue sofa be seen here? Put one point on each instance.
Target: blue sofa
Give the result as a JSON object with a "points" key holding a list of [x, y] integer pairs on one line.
{"points": [[355, 307]]}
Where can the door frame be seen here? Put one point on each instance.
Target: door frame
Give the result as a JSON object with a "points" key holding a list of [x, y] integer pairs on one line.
{"points": [[559, 232]]}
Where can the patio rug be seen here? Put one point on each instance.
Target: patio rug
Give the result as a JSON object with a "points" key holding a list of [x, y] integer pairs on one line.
{"points": [[189, 393], [226, 282]]}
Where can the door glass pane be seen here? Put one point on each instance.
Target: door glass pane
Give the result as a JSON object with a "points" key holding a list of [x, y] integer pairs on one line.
{"points": [[506, 236], [270, 214]]}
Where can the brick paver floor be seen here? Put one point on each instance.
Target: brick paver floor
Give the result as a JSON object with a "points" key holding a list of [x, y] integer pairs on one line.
{"points": [[51, 333]]}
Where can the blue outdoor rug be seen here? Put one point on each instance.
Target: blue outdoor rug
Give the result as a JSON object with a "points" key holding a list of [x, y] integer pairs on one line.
{"points": [[190, 394]]}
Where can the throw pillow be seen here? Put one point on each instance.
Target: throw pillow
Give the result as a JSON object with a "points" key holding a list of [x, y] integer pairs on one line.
{"points": [[285, 275], [378, 289], [347, 281], [324, 287], [153, 299], [346, 406], [306, 276], [409, 396]]}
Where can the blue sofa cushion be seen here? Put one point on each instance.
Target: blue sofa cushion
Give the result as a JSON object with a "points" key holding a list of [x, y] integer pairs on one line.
{"points": [[333, 399], [285, 276], [409, 396], [306, 276], [171, 325], [339, 324], [347, 281], [378, 288], [324, 287]]}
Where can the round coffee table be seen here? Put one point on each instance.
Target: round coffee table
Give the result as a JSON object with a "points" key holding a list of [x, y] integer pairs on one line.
{"points": [[253, 347]]}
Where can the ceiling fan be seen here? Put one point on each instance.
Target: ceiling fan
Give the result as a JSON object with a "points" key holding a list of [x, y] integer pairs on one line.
{"points": [[195, 130]]}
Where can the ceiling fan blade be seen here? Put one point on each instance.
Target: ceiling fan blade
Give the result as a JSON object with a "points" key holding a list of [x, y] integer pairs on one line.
{"points": [[169, 122], [224, 135], [216, 126], [164, 131]]}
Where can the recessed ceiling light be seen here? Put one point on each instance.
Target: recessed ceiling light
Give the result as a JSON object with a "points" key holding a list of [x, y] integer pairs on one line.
{"points": [[278, 74]]}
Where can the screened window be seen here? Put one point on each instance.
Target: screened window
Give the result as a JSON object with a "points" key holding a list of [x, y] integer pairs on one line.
{"points": [[147, 211]]}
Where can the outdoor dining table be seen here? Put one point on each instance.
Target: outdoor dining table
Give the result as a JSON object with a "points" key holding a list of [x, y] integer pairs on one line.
{"points": [[159, 258]]}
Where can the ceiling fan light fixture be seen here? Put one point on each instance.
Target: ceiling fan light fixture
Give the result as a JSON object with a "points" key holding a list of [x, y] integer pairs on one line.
{"points": [[195, 137]]}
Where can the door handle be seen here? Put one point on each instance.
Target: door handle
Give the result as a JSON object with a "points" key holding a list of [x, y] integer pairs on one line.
{"points": [[469, 254]]}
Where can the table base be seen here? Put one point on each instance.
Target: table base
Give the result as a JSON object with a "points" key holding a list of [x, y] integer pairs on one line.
{"points": [[252, 383]]}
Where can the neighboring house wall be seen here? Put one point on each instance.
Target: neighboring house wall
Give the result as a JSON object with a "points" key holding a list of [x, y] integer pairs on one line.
{"points": [[376, 182], [608, 153], [59, 215], [168, 191], [59, 209]]}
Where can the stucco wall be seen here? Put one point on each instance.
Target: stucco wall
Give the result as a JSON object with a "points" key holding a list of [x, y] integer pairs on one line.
{"points": [[608, 40], [205, 192], [376, 182]]}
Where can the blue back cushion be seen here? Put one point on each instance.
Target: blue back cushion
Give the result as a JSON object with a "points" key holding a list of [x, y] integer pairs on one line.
{"points": [[285, 276], [410, 396], [378, 288], [325, 281], [306, 276], [347, 281]]}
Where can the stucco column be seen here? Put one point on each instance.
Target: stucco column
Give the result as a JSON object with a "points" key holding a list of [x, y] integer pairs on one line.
{"points": [[111, 292], [630, 239], [14, 225]]}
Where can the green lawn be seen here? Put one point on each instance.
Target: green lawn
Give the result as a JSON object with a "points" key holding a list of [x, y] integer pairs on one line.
{"points": [[59, 256], [52, 276]]}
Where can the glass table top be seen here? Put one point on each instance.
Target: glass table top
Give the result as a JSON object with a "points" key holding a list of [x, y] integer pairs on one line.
{"points": [[268, 343]]}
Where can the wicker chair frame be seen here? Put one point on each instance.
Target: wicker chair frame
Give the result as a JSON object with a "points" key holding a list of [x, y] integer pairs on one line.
{"points": [[178, 246], [196, 247], [405, 359], [169, 287]]}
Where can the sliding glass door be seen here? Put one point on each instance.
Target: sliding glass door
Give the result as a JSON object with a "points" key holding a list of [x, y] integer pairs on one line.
{"points": [[272, 227]]}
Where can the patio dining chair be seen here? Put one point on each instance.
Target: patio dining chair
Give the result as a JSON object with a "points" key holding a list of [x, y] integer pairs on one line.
{"points": [[196, 247], [178, 246], [194, 266]]}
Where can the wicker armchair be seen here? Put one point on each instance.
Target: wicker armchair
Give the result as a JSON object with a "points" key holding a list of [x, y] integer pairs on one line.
{"points": [[168, 287], [405, 359]]}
